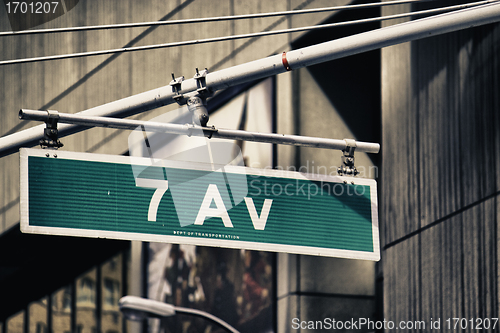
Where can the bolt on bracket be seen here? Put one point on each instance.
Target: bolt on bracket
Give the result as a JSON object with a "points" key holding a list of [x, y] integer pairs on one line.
{"points": [[176, 88], [201, 83]]}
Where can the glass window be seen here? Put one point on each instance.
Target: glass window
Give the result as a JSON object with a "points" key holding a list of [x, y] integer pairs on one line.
{"points": [[111, 292], [86, 292], [61, 310], [86, 302]]}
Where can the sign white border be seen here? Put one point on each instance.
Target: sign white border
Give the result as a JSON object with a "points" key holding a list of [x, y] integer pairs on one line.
{"points": [[236, 244]]}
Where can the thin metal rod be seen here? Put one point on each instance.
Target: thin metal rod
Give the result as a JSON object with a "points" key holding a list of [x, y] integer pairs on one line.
{"points": [[206, 315], [270, 66], [194, 130], [208, 19], [241, 36]]}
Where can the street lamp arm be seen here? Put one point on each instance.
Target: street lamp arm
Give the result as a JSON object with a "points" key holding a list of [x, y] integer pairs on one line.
{"points": [[138, 308], [205, 315]]}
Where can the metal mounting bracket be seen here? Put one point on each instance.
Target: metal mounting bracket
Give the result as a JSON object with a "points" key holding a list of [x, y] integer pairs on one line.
{"points": [[197, 100], [50, 133], [201, 83], [176, 88], [347, 167]]}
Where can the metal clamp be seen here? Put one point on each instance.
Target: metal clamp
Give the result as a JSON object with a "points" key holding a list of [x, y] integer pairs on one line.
{"points": [[347, 167], [209, 131], [50, 133], [176, 88], [201, 82]]}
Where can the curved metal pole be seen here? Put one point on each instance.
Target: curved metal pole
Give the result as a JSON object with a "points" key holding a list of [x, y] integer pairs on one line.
{"points": [[138, 308], [206, 315], [273, 65]]}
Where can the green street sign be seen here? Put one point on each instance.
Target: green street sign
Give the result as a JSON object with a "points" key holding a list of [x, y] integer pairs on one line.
{"points": [[121, 197]]}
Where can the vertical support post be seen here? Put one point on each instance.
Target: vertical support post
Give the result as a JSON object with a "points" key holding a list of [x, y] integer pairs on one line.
{"points": [[145, 279], [26, 319], [124, 290], [98, 301], [274, 121]]}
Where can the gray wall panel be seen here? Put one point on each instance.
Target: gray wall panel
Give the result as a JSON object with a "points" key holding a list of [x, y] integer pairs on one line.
{"points": [[440, 191]]}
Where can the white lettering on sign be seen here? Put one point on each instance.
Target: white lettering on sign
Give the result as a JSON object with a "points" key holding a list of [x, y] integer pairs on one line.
{"points": [[212, 194], [219, 211], [259, 223], [161, 187]]}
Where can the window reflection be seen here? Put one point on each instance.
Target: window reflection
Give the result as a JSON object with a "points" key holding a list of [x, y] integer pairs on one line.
{"points": [[111, 292], [86, 292], [61, 310], [86, 302]]}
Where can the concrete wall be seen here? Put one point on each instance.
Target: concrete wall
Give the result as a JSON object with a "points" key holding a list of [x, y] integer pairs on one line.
{"points": [[440, 177]]}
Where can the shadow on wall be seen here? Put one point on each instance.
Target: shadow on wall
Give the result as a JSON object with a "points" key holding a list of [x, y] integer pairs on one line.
{"points": [[351, 84]]}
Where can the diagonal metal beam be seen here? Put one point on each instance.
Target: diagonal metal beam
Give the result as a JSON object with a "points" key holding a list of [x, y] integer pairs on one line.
{"points": [[273, 65]]}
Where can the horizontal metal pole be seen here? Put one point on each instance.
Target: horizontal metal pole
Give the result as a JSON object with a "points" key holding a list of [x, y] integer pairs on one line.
{"points": [[274, 65], [194, 130]]}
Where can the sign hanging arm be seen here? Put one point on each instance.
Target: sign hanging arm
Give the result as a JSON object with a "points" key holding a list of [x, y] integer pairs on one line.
{"points": [[196, 130]]}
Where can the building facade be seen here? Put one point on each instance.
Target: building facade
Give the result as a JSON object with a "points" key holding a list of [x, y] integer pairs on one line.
{"points": [[440, 177]]}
